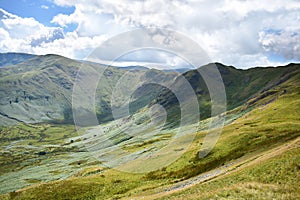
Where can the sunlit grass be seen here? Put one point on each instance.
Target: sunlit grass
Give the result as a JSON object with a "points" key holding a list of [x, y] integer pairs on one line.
{"points": [[275, 178], [261, 128]]}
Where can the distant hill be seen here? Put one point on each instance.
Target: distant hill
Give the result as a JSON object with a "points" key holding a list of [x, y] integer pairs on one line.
{"points": [[180, 70], [7, 59], [256, 156], [39, 88], [131, 68]]}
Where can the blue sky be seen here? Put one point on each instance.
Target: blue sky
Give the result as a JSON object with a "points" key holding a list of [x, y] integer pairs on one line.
{"points": [[41, 10], [239, 33]]}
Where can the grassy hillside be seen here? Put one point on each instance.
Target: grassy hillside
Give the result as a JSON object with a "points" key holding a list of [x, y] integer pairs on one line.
{"points": [[266, 121], [240, 85], [273, 121], [38, 89], [274, 177], [7, 59]]}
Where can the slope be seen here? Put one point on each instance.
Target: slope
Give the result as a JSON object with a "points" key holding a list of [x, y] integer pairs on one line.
{"points": [[271, 121], [7, 59], [240, 85], [39, 89]]}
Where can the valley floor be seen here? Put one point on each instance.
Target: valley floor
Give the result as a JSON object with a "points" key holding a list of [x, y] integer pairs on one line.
{"points": [[256, 157]]}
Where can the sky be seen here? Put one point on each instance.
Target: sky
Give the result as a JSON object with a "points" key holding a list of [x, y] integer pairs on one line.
{"points": [[242, 33]]}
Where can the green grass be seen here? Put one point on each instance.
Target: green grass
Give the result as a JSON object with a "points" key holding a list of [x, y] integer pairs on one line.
{"points": [[275, 178], [103, 186], [37, 153], [20, 145], [263, 127], [259, 127], [259, 130], [38, 132]]}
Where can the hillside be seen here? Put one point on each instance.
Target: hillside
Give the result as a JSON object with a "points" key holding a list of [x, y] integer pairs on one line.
{"points": [[240, 85], [7, 59], [39, 89], [256, 156]]}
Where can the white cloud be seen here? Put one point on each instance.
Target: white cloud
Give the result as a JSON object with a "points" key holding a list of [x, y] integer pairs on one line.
{"points": [[20, 32], [229, 31], [133, 13], [19, 27], [243, 8], [4, 35], [72, 46], [284, 43], [28, 35], [152, 58], [234, 32], [45, 7]]}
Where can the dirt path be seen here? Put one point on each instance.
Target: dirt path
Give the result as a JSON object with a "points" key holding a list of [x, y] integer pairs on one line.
{"points": [[224, 170]]}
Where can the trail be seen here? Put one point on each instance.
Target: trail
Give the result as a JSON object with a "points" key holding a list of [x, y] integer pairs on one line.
{"points": [[15, 119], [219, 172]]}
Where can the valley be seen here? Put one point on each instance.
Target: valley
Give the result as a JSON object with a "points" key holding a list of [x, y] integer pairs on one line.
{"points": [[45, 156]]}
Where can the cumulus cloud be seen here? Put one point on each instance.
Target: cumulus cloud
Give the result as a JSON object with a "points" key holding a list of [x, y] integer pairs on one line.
{"points": [[284, 43], [235, 32], [19, 27], [48, 37], [21, 34], [72, 46], [133, 13], [27, 35], [230, 31]]}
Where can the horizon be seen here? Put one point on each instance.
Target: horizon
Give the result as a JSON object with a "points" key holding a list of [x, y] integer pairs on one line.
{"points": [[151, 66]]}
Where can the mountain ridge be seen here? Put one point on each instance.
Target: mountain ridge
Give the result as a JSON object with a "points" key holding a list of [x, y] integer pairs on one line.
{"points": [[256, 154], [42, 84]]}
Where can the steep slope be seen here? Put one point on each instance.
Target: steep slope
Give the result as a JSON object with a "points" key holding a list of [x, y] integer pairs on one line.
{"points": [[39, 89], [263, 143], [7, 59], [240, 86], [271, 120]]}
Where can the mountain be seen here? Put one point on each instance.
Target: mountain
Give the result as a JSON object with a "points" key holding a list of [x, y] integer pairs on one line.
{"points": [[7, 59], [240, 86], [180, 70], [39, 88], [256, 156], [132, 68]]}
